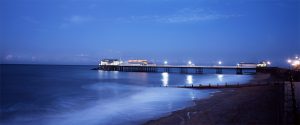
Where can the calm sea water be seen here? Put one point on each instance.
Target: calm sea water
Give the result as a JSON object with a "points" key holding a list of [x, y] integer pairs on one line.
{"points": [[76, 95]]}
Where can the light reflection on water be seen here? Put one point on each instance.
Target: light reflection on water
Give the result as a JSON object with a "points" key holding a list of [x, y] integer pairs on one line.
{"points": [[109, 74], [165, 78], [189, 79], [215, 79], [220, 77]]}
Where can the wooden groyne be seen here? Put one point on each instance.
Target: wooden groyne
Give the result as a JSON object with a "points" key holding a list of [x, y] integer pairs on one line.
{"points": [[217, 86]]}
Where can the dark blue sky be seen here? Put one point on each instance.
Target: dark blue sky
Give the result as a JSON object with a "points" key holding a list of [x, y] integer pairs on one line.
{"points": [[204, 31]]}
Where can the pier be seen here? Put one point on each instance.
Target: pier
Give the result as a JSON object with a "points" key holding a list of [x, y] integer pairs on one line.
{"points": [[186, 69]]}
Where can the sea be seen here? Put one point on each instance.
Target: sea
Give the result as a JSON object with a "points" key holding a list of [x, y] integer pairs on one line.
{"points": [[77, 95]]}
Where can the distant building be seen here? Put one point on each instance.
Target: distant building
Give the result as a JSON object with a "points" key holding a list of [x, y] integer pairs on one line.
{"points": [[264, 64], [110, 62], [295, 63], [140, 62], [151, 64], [297, 67], [248, 65]]}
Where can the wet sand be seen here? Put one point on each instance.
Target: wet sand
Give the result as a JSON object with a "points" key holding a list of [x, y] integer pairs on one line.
{"points": [[247, 105]]}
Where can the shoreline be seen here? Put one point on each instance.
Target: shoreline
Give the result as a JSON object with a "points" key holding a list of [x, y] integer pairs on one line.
{"points": [[247, 105]]}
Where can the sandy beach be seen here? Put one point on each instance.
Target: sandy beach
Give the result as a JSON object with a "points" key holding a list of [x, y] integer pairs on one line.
{"points": [[246, 105]]}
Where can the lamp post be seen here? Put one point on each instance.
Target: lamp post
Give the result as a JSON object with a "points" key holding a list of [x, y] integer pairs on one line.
{"points": [[166, 62], [220, 62], [190, 62], [268, 63], [289, 61], [292, 62]]}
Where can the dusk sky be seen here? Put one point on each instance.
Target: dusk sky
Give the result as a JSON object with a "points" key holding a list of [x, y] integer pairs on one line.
{"points": [[204, 31]]}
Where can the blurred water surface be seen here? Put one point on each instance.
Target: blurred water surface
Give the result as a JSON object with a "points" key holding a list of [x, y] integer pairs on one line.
{"points": [[76, 95]]}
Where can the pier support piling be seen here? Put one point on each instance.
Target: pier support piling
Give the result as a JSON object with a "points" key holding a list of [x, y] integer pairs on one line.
{"points": [[219, 71]]}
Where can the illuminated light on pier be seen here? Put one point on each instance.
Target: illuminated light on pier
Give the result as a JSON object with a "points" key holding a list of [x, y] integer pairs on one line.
{"points": [[268, 62], [190, 62], [220, 62], [166, 62]]}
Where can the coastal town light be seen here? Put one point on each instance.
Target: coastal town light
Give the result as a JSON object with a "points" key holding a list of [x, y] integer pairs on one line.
{"points": [[289, 61], [268, 62], [296, 63]]}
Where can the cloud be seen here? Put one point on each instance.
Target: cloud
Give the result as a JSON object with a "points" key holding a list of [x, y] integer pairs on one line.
{"points": [[9, 57], [92, 6], [82, 55], [75, 20], [185, 15], [193, 18], [30, 19], [78, 19]]}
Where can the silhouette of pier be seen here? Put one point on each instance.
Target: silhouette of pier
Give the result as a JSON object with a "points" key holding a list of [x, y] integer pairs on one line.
{"points": [[174, 68]]}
